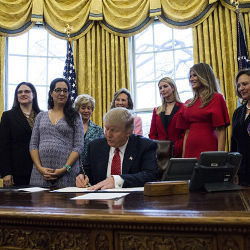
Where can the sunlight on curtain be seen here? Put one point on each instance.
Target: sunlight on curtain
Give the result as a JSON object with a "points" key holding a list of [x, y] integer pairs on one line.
{"points": [[101, 61]]}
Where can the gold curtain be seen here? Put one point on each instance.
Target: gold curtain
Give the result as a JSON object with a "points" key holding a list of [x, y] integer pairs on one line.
{"points": [[2, 53], [126, 17], [184, 14], [101, 62], [215, 43], [15, 16], [119, 17], [75, 13]]}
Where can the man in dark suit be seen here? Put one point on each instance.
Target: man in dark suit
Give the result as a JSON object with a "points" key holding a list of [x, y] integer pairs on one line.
{"points": [[136, 155]]}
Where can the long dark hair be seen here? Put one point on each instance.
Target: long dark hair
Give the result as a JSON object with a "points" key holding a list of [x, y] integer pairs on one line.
{"points": [[240, 73], [16, 103], [69, 112]]}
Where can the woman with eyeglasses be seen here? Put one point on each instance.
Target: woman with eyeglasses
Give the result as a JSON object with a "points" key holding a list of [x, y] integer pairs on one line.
{"points": [[15, 132], [57, 140]]}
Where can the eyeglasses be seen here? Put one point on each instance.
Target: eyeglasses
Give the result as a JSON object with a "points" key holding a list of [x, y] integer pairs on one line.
{"points": [[59, 90], [26, 91]]}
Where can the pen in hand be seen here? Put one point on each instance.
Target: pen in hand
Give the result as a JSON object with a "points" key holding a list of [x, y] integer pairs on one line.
{"points": [[84, 174]]}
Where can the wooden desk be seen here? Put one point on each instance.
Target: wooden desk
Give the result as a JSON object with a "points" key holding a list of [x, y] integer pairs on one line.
{"points": [[196, 221]]}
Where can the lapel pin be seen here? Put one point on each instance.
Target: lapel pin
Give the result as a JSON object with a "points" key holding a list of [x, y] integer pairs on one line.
{"points": [[130, 158]]}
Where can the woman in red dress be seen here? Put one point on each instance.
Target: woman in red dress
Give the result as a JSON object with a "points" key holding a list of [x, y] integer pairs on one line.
{"points": [[163, 123], [205, 117]]}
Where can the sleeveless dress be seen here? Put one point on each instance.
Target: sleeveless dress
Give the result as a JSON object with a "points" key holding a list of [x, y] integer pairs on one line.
{"points": [[55, 143], [202, 123]]}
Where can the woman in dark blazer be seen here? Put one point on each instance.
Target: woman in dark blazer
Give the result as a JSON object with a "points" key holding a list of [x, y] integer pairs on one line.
{"points": [[15, 132], [163, 123], [240, 141]]}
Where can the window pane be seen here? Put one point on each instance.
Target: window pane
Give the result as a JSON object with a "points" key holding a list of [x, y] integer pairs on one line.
{"points": [[144, 41], [183, 38], [144, 67], [146, 122], [183, 62], [42, 97], [37, 70], [35, 63], [146, 98], [38, 42], [18, 44], [10, 97], [184, 89], [164, 64], [55, 68], [17, 69], [57, 47], [163, 37]]}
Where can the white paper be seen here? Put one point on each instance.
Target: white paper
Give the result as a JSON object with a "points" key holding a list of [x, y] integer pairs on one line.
{"points": [[100, 196], [32, 189], [85, 190], [134, 189], [72, 190]]}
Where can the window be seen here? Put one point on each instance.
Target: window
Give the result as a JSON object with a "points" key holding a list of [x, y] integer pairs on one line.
{"points": [[36, 57], [157, 52]]}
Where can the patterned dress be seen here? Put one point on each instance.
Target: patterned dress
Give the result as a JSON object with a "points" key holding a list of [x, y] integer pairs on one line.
{"points": [[55, 143], [94, 131]]}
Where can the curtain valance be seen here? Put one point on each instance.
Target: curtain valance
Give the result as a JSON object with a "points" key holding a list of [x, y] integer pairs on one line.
{"points": [[119, 17]]}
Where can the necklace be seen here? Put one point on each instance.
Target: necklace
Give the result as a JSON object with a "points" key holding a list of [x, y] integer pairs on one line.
{"points": [[248, 107], [27, 114], [171, 101]]}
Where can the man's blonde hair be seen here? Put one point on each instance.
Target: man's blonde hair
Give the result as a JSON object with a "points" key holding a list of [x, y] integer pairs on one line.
{"points": [[119, 116]]}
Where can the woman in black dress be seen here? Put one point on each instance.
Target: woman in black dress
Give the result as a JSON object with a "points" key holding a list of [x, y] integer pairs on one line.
{"points": [[15, 132], [240, 141]]}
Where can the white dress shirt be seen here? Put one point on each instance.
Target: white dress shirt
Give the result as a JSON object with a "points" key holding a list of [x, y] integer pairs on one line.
{"points": [[117, 178]]}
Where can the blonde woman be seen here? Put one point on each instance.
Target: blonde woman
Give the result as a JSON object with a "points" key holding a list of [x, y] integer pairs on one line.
{"points": [[206, 116], [164, 118], [85, 105]]}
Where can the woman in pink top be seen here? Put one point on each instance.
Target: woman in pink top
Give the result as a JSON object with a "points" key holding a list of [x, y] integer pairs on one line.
{"points": [[122, 98]]}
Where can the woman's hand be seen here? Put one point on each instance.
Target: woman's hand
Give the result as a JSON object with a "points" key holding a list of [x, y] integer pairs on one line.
{"points": [[47, 173], [8, 181], [58, 172]]}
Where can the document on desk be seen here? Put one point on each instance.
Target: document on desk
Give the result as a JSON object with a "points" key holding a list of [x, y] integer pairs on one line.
{"points": [[32, 189], [100, 196], [86, 190]]}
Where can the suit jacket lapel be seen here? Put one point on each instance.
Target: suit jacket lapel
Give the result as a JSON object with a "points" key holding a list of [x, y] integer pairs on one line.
{"points": [[105, 160], [129, 155]]}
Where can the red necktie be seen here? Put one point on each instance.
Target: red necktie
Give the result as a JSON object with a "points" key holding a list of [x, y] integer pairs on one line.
{"points": [[116, 163]]}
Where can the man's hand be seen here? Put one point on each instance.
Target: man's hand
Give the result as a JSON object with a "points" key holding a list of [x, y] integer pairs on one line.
{"points": [[106, 184], [82, 181], [8, 181]]}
